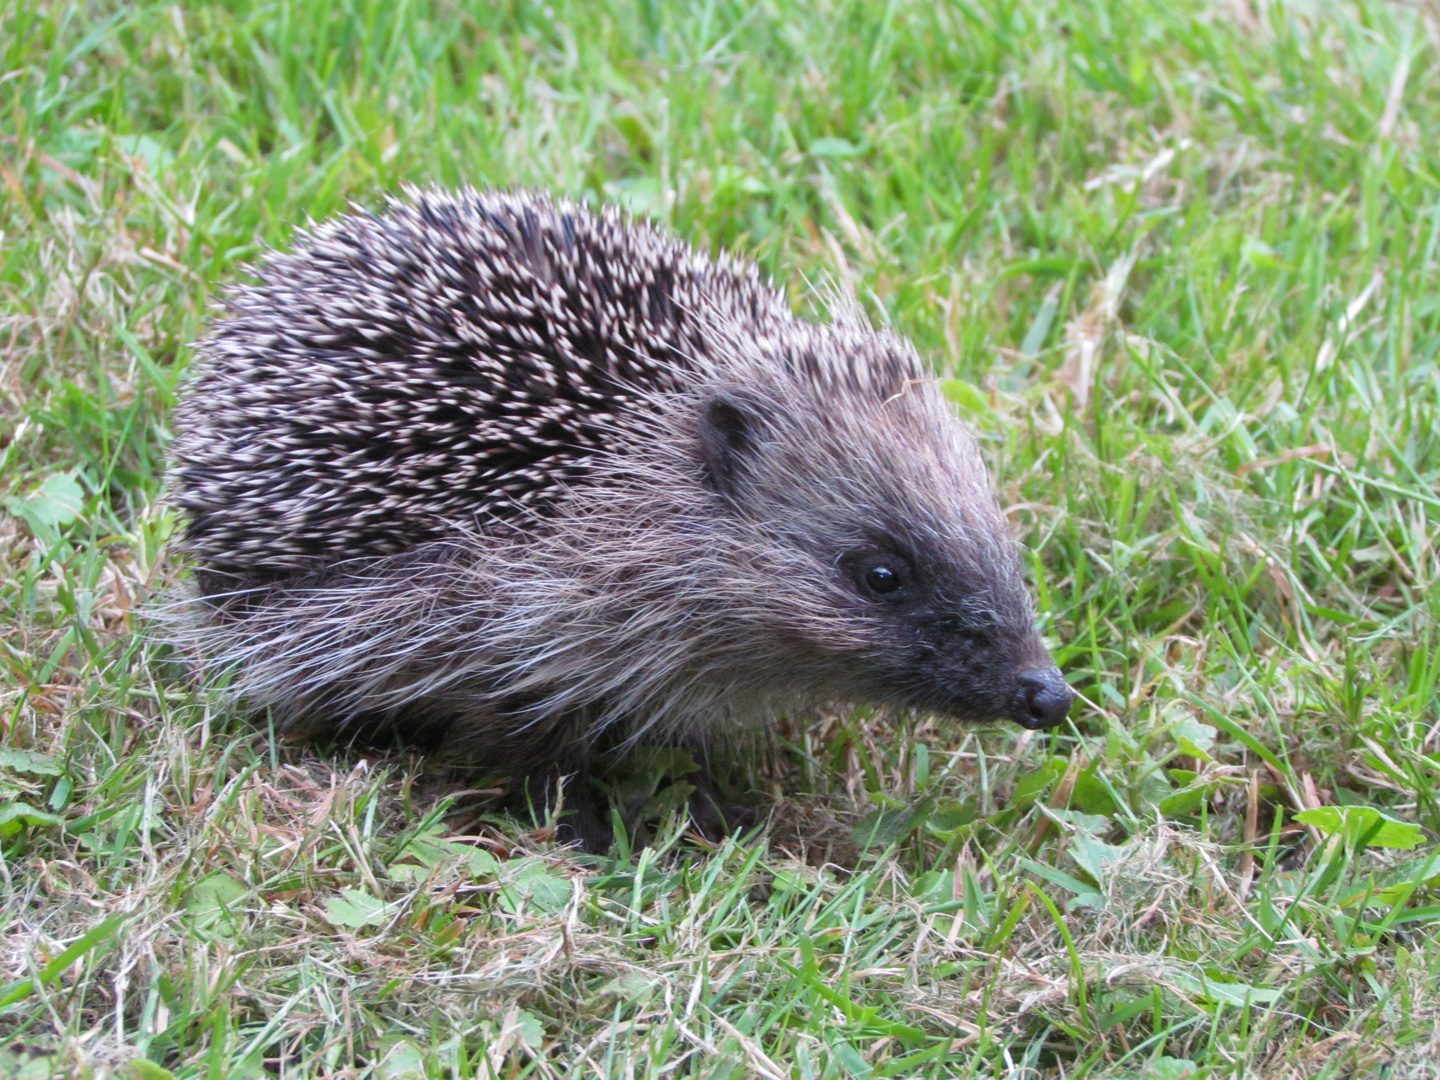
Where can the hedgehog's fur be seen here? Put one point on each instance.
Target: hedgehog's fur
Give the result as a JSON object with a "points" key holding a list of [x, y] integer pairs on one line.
{"points": [[496, 472]]}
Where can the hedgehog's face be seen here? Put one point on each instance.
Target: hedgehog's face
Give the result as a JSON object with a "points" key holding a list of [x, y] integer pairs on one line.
{"points": [[939, 642], [925, 605]]}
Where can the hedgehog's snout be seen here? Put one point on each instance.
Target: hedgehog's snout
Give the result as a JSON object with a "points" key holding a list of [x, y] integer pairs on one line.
{"points": [[1042, 699]]}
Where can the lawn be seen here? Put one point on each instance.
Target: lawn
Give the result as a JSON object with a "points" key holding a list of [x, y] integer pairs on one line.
{"points": [[1178, 262]]}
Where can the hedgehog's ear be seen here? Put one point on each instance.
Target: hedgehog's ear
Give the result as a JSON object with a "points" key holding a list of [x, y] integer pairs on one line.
{"points": [[731, 427]]}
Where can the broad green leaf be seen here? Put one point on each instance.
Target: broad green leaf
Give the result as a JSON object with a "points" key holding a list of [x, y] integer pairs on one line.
{"points": [[403, 1061], [534, 886], [1224, 993], [1194, 738], [353, 909], [968, 399], [881, 827], [214, 896], [1362, 823], [29, 762], [1169, 1068], [1091, 794], [947, 819], [57, 502], [1096, 857], [1034, 785], [1095, 824], [630, 986], [1261, 255], [532, 1032], [664, 762], [672, 798], [1184, 803], [145, 1069], [834, 148], [1085, 895], [14, 815], [423, 853]]}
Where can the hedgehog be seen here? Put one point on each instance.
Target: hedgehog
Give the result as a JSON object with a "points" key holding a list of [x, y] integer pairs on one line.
{"points": [[497, 475]]}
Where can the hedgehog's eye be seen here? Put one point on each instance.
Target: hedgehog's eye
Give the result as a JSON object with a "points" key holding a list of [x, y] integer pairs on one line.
{"points": [[882, 580], [880, 575]]}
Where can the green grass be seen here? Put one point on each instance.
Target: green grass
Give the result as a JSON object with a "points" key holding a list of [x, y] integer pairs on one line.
{"points": [[1183, 256]]}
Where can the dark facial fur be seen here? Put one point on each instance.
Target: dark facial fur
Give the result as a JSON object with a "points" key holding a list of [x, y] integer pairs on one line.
{"points": [[529, 480], [927, 576]]}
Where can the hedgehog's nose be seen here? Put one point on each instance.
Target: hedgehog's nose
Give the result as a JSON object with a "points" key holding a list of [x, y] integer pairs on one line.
{"points": [[1042, 700]]}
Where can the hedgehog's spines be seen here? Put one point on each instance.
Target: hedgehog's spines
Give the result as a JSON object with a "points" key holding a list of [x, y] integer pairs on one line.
{"points": [[494, 344]]}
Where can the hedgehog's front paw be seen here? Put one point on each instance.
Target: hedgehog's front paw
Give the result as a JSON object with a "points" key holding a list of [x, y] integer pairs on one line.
{"points": [[579, 816], [713, 816]]}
